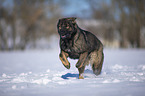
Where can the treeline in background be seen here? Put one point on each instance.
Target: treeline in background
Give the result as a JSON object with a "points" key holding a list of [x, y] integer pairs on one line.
{"points": [[30, 23]]}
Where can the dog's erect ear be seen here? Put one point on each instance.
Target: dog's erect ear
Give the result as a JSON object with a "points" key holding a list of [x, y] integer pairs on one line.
{"points": [[72, 19], [69, 18]]}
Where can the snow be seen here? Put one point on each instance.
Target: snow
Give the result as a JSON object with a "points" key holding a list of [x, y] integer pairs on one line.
{"points": [[41, 73]]}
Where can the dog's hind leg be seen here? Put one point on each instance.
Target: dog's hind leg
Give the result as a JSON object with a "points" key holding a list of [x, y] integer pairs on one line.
{"points": [[97, 58], [97, 66]]}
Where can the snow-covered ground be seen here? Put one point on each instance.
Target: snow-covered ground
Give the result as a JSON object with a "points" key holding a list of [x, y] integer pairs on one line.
{"points": [[41, 73]]}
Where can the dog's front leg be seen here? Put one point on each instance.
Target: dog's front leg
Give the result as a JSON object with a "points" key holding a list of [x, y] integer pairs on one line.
{"points": [[81, 64], [63, 57]]}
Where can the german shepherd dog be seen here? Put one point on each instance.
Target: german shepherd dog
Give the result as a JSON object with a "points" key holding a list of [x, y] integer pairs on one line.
{"points": [[76, 43]]}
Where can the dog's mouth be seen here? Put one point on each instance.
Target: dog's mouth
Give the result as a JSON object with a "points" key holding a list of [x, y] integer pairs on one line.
{"points": [[65, 36]]}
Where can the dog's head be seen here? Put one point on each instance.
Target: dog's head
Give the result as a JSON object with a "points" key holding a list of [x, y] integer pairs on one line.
{"points": [[67, 27]]}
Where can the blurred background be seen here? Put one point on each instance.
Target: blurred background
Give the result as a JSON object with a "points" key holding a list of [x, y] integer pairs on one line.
{"points": [[31, 24]]}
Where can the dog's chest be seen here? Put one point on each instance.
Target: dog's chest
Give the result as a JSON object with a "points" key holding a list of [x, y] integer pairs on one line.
{"points": [[68, 46], [70, 49]]}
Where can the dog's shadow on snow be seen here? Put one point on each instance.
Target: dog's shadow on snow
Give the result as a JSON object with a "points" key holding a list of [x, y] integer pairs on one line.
{"points": [[70, 75]]}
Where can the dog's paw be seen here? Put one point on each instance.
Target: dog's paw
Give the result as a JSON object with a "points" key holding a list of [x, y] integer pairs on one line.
{"points": [[67, 66], [81, 77]]}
